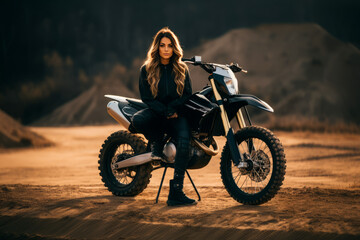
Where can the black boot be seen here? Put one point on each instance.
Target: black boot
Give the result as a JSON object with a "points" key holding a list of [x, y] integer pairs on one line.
{"points": [[176, 195]]}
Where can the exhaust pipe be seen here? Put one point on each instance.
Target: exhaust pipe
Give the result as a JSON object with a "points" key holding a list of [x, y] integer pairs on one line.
{"points": [[133, 161], [206, 149]]}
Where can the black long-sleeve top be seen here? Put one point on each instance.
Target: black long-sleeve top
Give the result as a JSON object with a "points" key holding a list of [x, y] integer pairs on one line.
{"points": [[168, 101]]}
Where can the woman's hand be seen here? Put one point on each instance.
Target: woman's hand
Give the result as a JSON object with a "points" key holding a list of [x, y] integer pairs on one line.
{"points": [[173, 116]]}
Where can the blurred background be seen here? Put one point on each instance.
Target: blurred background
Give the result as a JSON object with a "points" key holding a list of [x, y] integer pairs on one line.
{"points": [[58, 59]]}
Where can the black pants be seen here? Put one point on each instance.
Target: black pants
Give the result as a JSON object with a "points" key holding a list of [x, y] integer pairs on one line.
{"points": [[154, 127]]}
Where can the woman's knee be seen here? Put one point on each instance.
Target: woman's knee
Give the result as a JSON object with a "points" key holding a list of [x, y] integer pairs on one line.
{"points": [[142, 119], [137, 120]]}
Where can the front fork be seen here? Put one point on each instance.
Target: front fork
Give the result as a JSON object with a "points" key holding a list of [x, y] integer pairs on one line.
{"points": [[237, 158], [240, 119], [241, 122]]}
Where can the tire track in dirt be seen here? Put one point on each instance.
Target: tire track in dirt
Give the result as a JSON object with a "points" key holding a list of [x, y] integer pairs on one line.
{"points": [[314, 145], [90, 212], [350, 151], [73, 228], [340, 155]]}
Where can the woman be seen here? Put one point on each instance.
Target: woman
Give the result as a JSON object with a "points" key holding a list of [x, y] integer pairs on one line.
{"points": [[164, 86]]}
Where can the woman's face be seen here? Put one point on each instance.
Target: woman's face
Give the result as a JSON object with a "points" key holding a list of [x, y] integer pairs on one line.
{"points": [[165, 50]]}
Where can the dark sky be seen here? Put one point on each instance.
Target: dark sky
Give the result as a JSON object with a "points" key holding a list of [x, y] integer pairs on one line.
{"points": [[94, 31]]}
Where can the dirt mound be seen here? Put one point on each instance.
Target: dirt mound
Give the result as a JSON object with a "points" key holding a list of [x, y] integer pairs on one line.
{"points": [[13, 134], [88, 108], [299, 69]]}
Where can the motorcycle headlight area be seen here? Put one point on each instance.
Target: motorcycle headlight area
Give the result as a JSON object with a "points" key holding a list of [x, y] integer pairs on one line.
{"points": [[232, 85]]}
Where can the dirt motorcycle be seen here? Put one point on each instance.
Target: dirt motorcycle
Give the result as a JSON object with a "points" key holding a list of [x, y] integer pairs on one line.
{"points": [[252, 163]]}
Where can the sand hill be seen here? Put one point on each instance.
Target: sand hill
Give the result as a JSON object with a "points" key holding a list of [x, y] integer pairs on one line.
{"points": [[300, 70], [88, 108], [13, 134]]}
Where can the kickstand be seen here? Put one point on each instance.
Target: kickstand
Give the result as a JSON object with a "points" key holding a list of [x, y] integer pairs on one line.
{"points": [[187, 173], [162, 181]]}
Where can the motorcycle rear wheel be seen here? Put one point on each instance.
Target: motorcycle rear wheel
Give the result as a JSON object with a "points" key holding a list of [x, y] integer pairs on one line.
{"points": [[129, 181], [266, 159]]}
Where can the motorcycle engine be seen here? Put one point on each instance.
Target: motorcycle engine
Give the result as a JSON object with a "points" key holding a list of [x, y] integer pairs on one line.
{"points": [[198, 158]]}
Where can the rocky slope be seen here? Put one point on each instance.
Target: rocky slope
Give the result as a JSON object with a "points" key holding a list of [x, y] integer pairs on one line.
{"points": [[301, 70], [13, 134], [88, 108]]}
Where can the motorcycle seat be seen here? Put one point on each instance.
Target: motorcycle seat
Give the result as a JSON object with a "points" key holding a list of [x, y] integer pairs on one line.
{"points": [[138, 104]]}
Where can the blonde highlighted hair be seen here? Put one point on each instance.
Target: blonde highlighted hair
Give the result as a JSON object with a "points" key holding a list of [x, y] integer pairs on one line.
{"points": [[152, 62]]}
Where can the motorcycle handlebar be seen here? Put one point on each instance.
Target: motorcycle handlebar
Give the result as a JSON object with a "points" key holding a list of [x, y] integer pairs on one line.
{"points": [[235, 68], [208, 67], [188, 59]]}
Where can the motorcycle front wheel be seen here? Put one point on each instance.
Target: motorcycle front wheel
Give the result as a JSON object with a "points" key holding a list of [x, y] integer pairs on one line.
{"points": [[264, 155], [128, 181]]}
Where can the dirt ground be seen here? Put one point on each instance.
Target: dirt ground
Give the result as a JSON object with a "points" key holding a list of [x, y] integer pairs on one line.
{"points": [[56, 193]]}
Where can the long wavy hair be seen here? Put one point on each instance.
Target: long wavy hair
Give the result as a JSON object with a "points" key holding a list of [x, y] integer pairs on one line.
{"points": [[152, 62]]}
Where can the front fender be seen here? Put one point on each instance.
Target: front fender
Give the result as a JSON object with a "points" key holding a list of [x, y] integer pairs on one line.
{"points": [[241, 100]]}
